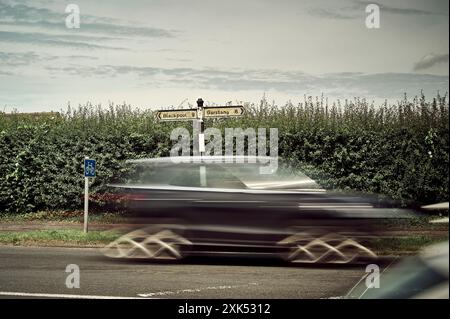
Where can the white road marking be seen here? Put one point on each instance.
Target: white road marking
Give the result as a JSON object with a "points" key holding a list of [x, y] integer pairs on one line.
{"points": [[364, 277], [193, 290], [367, 289], [46, 295], [356, 285]]}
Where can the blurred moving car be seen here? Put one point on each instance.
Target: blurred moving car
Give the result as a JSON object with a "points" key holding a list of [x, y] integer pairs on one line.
{"points": [[419, 277], [230, 206], [438, 207]]}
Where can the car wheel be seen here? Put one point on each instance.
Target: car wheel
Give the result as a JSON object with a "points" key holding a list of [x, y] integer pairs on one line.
{"points": [[148, 243], [323, 249]]}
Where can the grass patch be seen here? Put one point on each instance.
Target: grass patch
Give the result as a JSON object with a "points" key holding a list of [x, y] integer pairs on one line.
{"points": [[387, 246], [420, 222], [63, 217], [403, 245], [57, 238]]}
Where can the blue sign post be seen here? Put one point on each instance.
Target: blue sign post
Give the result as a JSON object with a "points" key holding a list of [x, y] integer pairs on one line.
{"points": [[89, 171], [89, 167]]}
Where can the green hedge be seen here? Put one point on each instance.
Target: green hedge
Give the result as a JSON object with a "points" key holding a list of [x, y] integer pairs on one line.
{"points": [[399, 150]]}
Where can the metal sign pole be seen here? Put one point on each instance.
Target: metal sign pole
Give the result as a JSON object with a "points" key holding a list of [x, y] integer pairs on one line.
{"points": [[89, 171], [86, 203], [86, 198]]}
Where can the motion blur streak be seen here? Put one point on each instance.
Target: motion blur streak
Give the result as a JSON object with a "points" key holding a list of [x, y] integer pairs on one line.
{"points": [[227, 208]]}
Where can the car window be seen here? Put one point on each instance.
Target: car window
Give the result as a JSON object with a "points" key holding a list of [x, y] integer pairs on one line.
{"points": [[189, 176], [284, 177], [211, 176], [144, 174], [218, 177]]}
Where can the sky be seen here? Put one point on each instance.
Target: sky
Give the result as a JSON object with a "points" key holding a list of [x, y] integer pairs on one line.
{"points": [[163, 53]]}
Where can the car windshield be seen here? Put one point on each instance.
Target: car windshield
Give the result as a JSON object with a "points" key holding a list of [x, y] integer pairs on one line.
{"points": [[218, 175], [283, 177]]}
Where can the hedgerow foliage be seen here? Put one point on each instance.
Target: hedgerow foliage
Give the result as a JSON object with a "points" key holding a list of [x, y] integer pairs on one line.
{"points": [[400, 150]]}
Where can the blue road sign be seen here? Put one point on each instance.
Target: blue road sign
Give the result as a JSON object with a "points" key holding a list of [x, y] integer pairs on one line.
{"points": [[89, 168]]}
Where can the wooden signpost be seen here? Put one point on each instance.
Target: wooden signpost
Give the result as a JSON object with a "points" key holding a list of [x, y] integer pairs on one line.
{"points": [[198, 114], [177, 115], [223, 111]]}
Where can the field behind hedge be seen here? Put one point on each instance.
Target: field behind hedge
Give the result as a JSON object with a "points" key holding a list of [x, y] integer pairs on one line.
{"points": [[400, 150]]}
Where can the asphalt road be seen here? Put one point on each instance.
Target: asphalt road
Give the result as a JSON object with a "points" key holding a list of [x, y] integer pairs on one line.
{"points": [[40, 272]]}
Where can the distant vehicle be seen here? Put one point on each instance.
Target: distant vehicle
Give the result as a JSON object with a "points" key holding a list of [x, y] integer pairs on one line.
{"points": [[219, 205], [419, 277]]}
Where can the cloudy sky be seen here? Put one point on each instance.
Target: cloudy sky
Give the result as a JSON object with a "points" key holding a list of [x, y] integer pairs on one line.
{"points": [[159, 53]]}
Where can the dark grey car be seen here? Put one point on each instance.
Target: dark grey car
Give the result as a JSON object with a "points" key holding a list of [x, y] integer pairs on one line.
{"points": [[241, 206]]}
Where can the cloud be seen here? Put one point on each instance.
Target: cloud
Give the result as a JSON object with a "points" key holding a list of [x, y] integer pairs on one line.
{"points": [[343, 13], [54, 40], [179, 59], [356, 9], [79, 57], [430, 60], [18, 58], [396, 10], [29, 16], [383, 85]]}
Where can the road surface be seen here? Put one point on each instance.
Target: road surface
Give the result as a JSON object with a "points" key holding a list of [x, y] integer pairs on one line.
{"points": [[41, 272]]}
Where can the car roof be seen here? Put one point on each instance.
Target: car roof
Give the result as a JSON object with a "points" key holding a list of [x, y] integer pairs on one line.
{"points": [[207, 158]]}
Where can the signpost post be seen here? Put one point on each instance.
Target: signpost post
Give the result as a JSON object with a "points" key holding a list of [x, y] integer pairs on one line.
{"points": [[89, 171], [198, 115], [201, 134]]}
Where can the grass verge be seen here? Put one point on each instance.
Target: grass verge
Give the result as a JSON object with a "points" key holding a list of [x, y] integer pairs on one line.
{"points": [[70, 238], [63, 217], [391, 246], [387, 246]]}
